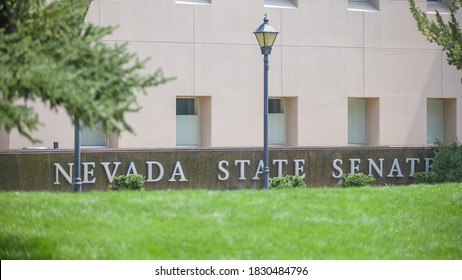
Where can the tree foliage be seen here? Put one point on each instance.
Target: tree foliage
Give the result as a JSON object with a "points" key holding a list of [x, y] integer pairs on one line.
{"points": [[446, 34], [49, 54], [447, 162]]}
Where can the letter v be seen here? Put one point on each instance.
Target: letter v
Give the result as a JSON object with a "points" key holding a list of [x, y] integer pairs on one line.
{"points": [[110, 176]]}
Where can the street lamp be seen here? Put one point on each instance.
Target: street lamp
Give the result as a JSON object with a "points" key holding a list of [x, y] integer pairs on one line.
{"points": [[266, 35], [77, 179]]}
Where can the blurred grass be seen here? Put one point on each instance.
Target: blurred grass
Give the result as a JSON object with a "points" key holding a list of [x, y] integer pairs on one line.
{"points": [[412, 222]]}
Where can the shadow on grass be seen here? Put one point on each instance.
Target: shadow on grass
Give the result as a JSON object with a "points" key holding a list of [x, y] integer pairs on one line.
{"points": [[14, 247]]}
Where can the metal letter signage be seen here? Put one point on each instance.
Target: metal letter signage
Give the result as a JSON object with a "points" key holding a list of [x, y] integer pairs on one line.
{"points": [[213, 168]]}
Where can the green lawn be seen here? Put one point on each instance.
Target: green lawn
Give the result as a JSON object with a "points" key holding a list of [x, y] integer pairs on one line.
{"points": [[413, 222]]}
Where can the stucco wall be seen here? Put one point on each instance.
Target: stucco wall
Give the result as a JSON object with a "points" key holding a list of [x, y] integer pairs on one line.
{"points": [[323, 55]]}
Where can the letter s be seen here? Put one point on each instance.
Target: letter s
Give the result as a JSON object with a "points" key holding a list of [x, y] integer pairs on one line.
{"points": [[225, 171], [335, 165]]}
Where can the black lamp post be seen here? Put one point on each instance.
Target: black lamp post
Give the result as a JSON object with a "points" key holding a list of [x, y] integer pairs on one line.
{"points": [[266, 35]]}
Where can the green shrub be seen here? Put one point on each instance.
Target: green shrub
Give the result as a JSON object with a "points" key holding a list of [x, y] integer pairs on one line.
{"points": [[130, 182], [287, 182], [447, 162], [356, 180], [424, 178]]}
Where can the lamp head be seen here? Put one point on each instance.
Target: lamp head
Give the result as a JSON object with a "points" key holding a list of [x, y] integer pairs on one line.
{"points": [[266, 35]]}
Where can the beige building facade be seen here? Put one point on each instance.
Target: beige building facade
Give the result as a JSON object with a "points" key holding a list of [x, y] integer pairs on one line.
{"points": [[342, 73]]}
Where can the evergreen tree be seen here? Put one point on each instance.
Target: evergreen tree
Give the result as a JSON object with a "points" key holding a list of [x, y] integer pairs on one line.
{"points": [[49, 54], [446, 34]]}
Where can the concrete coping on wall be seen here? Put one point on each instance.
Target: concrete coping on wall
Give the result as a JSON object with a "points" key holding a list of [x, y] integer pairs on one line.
{"points": [[204, 149]]}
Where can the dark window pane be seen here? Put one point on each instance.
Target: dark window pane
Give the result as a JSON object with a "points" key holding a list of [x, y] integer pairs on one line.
{"points": [[275, 106], [185, 106]]}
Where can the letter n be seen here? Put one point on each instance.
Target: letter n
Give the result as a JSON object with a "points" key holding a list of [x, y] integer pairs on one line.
{"points": [[59, 169]]}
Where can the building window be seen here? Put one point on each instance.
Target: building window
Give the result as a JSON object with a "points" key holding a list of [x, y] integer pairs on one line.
{"points": [[194, 2], [437, 5], [435, 120], [281, 3], [363, 5], [363, 121], [96, 138], [276, 122], [187, 122], [441, 120], [357, 121], [186, 106]]}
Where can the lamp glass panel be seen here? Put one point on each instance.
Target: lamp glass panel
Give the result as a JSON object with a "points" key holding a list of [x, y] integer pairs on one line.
{"points": [[270, 37], [260, 39]]}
